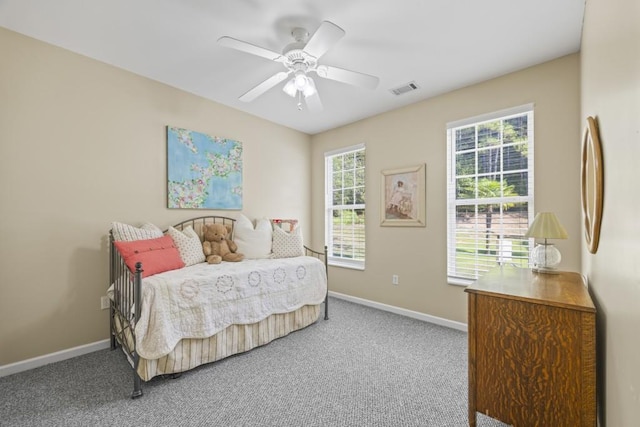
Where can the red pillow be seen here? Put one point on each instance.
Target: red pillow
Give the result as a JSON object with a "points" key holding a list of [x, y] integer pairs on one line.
{"points": [[156, 255]]}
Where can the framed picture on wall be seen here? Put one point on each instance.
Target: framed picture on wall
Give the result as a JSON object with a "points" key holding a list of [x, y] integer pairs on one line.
{"points": [[203, 171], [403, 197]]}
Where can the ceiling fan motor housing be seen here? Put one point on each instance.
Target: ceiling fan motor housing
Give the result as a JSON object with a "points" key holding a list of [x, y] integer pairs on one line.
{"points": [[296, 59], [299, 58]]}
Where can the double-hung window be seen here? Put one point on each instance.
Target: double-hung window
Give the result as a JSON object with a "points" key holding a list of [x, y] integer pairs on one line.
{"points": [[345, 206], [489, 192]]}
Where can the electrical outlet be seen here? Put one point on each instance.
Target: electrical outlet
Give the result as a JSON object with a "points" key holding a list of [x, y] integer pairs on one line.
{"points": [[104, 303], [394, 279]]}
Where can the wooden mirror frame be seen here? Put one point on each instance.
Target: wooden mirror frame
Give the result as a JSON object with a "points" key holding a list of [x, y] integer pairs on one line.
{"points": [[592, 183]]}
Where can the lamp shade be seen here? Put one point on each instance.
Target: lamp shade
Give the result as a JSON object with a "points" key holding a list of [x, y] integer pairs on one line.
{"points": [[546, 226]]}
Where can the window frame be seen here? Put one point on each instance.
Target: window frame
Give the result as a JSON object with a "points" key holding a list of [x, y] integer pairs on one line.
{"points": [[333, 260], [453, 201]]}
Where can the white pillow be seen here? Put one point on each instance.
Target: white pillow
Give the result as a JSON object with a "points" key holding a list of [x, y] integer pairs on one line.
{"points": [[287, 245], [253, 243], [129, 233], [188, 244]]}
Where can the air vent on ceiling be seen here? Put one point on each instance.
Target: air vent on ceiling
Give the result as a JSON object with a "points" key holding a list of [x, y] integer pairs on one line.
{"points": [[408, 87]]}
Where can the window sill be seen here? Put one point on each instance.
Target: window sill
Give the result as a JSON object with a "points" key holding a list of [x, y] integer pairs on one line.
{"points": [[346, 265], [459, 282]]}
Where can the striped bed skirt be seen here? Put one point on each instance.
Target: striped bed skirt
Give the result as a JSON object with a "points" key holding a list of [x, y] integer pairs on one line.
{"points": [[191, 353]]}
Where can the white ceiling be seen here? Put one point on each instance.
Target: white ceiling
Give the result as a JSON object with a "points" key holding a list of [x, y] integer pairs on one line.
{"points": [[442, 45]]}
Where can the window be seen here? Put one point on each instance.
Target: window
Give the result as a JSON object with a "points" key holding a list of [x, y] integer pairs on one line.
{"points": [[489, 192], [345, 207]]}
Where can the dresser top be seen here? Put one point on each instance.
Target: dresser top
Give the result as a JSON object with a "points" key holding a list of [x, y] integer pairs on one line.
{"points": [[565, 289]]}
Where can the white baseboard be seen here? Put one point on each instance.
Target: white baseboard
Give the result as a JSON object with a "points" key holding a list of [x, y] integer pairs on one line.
{"points": [[402, 311], [36, 362]]}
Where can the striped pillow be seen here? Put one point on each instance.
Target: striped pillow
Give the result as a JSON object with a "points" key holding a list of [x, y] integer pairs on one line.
{"points": [[129, 233]]}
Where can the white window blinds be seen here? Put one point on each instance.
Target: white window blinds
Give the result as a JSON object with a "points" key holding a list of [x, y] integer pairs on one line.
{"points": [[345, 206], [489, 192]]}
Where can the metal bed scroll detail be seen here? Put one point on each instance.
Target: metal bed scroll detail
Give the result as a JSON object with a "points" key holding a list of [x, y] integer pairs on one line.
{"points": [[125, 307]]}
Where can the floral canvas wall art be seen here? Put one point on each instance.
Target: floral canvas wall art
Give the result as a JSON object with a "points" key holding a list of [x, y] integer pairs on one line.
{"points": [[203, 171]]}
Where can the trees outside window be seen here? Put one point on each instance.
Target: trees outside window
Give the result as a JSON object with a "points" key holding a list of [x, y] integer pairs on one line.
{"points": [[345, 206], [490, 192]]}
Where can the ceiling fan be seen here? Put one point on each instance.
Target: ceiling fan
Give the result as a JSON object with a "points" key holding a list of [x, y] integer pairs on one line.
{"points": [[300, 58]]}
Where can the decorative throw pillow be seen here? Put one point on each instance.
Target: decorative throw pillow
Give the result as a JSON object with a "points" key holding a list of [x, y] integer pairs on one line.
{"points": [[188, 244], [156, 255], [129, 233], [286, 224], [254, 243], [287, 245]]}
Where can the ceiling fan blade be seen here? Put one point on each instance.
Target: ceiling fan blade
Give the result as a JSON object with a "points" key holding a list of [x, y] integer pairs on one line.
{"points": [[313, 101], [323, 39], [263, 87], [250, 48], [347, 76]]}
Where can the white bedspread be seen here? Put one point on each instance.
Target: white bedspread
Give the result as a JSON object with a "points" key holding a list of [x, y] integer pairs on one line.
{"points": [[201, 300]]}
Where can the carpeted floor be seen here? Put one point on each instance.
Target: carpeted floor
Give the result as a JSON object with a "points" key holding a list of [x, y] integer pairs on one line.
{"points": [[363, 367]]}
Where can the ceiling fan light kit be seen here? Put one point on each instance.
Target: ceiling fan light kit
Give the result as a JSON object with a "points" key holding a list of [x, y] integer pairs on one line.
{"points": [[301, 58], [290, 88]]}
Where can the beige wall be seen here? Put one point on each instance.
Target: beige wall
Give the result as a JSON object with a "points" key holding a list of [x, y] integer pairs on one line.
{"points": [[610, 68], [417, 134], [83, 144]]}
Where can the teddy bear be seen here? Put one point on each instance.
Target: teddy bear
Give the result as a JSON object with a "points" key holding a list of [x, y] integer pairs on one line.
{"points": [[217, 246]]}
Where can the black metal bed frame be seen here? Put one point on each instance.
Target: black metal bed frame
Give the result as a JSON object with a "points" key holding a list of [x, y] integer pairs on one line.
{"points": [[126, 301]]}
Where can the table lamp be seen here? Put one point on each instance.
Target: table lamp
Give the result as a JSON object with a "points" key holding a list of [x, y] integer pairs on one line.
{"points": [[546, 257]]}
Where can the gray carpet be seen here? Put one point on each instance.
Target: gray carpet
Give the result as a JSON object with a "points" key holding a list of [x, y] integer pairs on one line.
{"points": [[363, 367]]}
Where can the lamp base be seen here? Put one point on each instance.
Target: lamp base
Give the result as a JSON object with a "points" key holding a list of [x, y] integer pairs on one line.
{"points": [[545, 258]]}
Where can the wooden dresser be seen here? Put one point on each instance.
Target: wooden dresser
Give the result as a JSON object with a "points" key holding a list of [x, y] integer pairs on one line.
{"points": [[532, 349]]}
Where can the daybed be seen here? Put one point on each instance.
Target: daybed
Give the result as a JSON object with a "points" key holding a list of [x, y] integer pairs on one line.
{"points": [[176, 320]]}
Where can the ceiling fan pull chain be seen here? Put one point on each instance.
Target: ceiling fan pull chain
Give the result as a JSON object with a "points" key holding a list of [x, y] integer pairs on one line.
{"points": [[299, 101]]}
